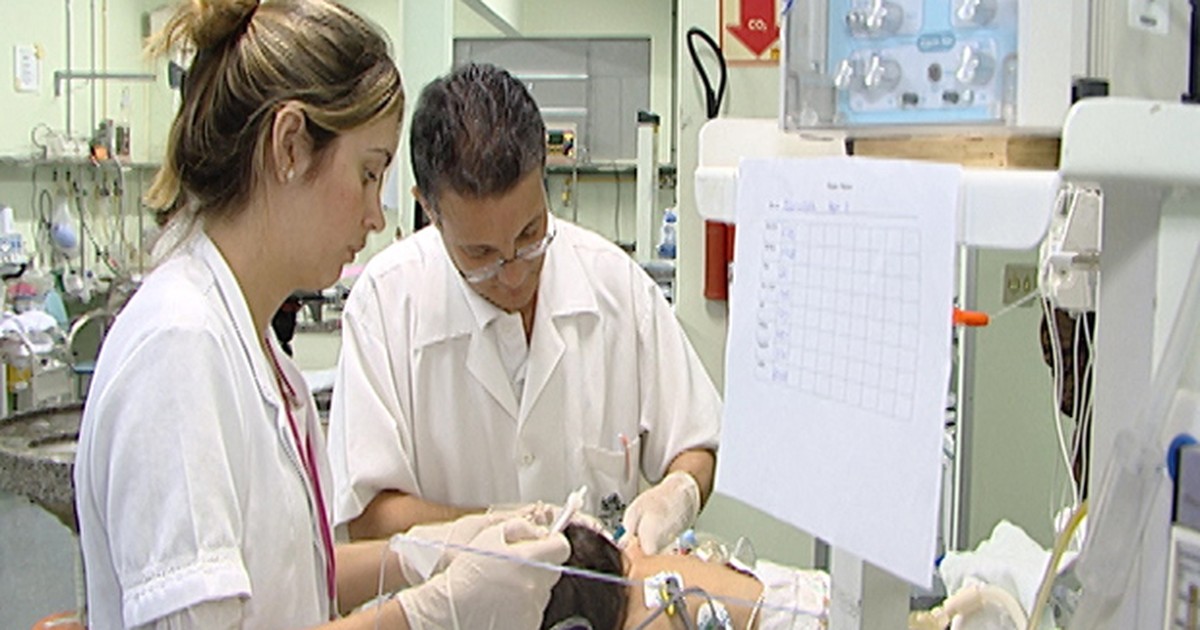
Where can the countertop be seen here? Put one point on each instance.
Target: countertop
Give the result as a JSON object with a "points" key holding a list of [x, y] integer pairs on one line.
{"points": [[37, 458]]}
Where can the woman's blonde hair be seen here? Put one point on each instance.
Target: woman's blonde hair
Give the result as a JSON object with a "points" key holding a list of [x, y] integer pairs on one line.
{"points": [[251, 58]]}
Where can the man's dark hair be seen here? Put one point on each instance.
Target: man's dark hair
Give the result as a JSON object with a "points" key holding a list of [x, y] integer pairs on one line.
{"points": [[476, 131], [602, 603]]}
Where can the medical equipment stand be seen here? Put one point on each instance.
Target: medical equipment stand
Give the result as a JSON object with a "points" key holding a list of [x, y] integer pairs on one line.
{"points": [[647, 185], [1002, 209], [863, 595], [1140, 154]]}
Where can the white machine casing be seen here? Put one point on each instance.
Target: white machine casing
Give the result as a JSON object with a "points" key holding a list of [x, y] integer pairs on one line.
{"points": [[1068, 266]]}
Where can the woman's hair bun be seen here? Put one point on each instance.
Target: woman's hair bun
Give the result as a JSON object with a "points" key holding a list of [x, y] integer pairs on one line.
{"points": [[204, 23], [216, 20]]}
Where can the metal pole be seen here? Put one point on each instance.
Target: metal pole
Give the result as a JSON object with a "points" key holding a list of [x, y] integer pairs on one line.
{"points": [[69, 20], [92, 45]]}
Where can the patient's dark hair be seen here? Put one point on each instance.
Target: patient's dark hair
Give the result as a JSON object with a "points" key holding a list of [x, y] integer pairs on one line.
{"points": [[602, 603]]}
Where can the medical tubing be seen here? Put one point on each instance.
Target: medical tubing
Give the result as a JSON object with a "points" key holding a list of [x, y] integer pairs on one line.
{"points": [[1056, 395], [712, 100], [966, 601], [1084, 422], [1022, 301], [594, 575], [1060, 546]]}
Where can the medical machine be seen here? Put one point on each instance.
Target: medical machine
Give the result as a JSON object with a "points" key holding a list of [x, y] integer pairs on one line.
{"points": [[1134, 152], [875, 66], [561, 149], [1183, 588]]}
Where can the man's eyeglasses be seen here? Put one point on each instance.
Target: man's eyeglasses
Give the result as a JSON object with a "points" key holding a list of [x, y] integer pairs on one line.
{"points": [[528, 253]]}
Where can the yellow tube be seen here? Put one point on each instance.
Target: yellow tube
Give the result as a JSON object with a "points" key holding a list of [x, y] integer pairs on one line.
{"points": [[1060, 545]]}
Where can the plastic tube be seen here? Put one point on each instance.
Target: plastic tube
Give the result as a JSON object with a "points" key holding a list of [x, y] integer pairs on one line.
{"points": [[966, 602], [1060, 546]]}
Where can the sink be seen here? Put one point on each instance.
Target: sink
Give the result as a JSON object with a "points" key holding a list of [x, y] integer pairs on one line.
{"points": [[37, 457]]}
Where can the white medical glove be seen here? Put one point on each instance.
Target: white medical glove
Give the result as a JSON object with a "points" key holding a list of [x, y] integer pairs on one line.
{"points": [[545, 514], [419, 562], [487, 591], [661, 513]]}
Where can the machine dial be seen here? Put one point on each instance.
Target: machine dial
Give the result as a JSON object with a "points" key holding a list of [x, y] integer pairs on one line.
{"points": [[975, 67], [880, 18], [880, 75], [974, 12]]}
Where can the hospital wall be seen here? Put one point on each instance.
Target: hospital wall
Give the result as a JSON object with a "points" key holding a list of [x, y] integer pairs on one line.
{"points": [[38, 557], [601, 196], [106, 36]]}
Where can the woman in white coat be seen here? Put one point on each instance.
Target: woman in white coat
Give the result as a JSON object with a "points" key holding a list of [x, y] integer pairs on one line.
{"points": [[201, 480]]}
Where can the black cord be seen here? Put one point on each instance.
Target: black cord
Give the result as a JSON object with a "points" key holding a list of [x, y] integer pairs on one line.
{"points": [[1193, 87], [712, 99]]}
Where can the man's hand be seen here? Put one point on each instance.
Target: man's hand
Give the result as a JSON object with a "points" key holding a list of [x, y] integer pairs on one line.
{"points": [[660, 513]]}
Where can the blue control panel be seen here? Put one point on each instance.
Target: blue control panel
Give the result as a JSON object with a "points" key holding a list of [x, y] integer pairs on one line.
{"points": [[899, 62]]}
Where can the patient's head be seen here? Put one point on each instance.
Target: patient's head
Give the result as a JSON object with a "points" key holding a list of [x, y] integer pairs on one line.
{"points": [[601, 603]]}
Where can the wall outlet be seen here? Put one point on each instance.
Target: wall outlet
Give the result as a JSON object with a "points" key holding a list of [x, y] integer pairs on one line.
{"points": [[1019, 281], [27, 68]]}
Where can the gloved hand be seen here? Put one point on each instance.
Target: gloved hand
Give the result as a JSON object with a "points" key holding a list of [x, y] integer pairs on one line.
{"points": [[545, 514], [484, 591], [660, 513], [418, 562]]}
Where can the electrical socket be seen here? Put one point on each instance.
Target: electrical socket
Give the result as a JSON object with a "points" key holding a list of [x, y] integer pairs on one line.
{"points": [[1019, 280]]}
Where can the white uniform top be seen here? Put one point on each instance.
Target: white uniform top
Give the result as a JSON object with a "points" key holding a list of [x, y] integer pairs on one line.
{"points": [[424, 403], [189, 487]]}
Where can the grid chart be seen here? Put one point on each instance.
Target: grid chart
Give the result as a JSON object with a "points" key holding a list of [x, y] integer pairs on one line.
{"points": [[837, 316]]}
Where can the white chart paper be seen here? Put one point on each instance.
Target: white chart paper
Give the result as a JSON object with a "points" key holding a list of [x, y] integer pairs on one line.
{"points": [[838, 359]]}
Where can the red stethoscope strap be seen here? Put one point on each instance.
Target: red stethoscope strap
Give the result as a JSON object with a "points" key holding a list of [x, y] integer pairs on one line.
{"points": [[309, 460]]}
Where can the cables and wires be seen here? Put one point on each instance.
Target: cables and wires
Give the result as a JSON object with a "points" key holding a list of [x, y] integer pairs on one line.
{"points": [[673, 604], [1056, 354], [1193, 83], [712, 99]]}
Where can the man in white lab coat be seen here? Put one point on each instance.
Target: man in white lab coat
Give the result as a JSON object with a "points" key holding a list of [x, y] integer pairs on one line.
{"points": [[503, 356]]}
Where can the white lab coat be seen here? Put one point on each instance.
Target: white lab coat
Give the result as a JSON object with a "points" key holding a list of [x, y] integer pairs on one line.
{"points": [[423, 404], [188, 484]]}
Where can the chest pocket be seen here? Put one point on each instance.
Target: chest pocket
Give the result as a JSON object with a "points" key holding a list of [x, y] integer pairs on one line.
{"points": [[612, 477]]}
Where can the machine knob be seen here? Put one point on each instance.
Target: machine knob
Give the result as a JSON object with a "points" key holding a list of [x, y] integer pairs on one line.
{"points": [[975, 67], [879, 19], [846, 75], [974, 12], [880, 75]]}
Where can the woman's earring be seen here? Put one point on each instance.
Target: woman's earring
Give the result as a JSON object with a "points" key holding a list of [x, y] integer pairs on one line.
{"points": [[291, 174]]}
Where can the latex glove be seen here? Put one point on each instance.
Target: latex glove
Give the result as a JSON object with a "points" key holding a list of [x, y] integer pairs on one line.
{"points": [[545, 514], [538, 512], [578, 518], [419, 562], [661, 513], [484, 591]]}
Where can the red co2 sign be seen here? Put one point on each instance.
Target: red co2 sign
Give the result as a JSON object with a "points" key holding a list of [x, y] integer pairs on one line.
{"points": [[753, 28]]}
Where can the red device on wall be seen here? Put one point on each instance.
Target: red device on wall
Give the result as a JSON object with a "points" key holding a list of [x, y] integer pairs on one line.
{"points": [[718, 254]]}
